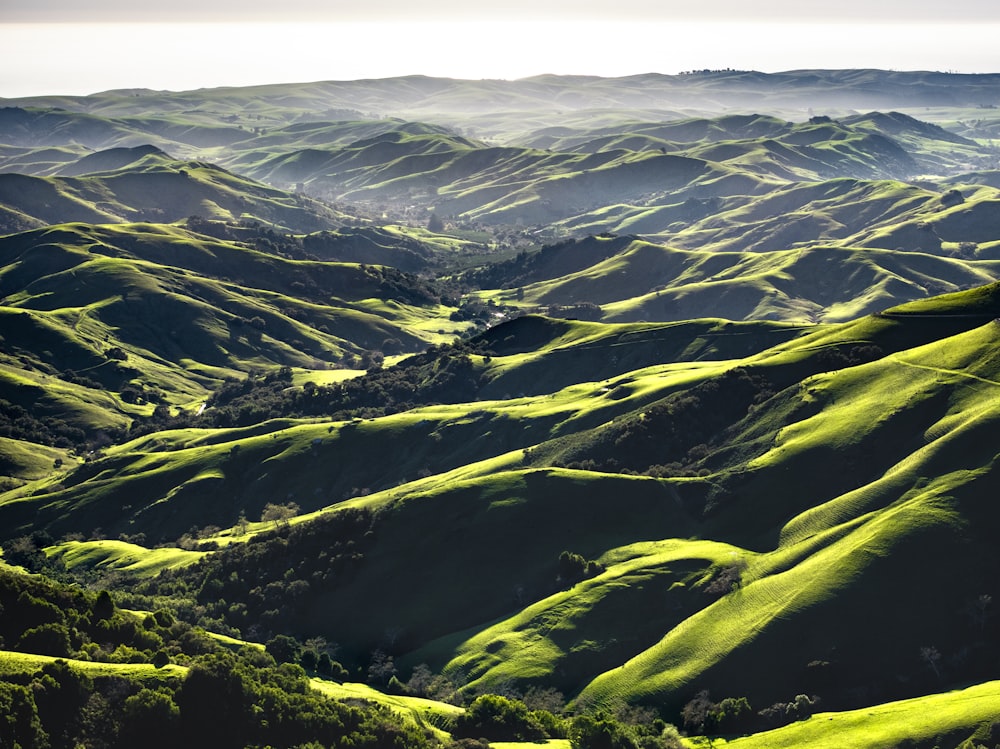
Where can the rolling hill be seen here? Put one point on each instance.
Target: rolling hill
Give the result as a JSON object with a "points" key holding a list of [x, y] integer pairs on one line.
{"points": [[145, 184], [831, 464], [105, 324], [416, 410]]}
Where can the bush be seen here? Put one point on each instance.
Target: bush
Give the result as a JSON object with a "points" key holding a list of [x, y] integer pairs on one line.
{"points": [[498, 718], [599, 732], [48, 639]]}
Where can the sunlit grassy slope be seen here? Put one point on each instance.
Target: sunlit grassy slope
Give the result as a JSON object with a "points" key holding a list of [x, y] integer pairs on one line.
{"points": [[119, 555], [91, 313], [639, 280], [798, 503], [944, 719], [827, 500], [425, 713], [146, 184], [12, 662]]}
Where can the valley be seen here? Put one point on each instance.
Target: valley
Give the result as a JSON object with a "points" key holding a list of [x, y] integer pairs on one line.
{"points": [[640, 412]]}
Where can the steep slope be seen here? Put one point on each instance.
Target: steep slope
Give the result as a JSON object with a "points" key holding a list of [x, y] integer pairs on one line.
{"points": [[179, 473], [792, 510]]}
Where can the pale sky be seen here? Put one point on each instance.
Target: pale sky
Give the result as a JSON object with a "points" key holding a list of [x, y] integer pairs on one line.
{"points": [[620, 10], [74, 47]]}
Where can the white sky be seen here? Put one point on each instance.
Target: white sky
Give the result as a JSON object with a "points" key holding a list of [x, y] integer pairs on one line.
{"points": [[71, 47], [621, 10]]}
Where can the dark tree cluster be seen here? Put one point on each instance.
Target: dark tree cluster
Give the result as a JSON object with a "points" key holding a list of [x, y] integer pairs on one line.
{"points": [[575, 567], [672, 435], [225, 700], [47, 618], [622, 728], [498, 718], [441, 375], [261, 588], [17, 422]]}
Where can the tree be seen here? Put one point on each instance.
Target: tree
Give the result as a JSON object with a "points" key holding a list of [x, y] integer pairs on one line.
{"points": [[104, 607], [696, 713], [309, 659], [574, 567], [283, 648], [19, 721], [498, 719], [435, 224], [372, 361], [279, 514], [381, 668], [48, 639], [215, 700], [161, 658], [241, 524], [150, 718], [598, 732], [420, 681]]}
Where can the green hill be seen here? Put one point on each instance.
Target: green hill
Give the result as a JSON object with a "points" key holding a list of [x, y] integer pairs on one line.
{"points": [[583, 405], [145, 184], [629, 279], [106, 323], [797, 489]]}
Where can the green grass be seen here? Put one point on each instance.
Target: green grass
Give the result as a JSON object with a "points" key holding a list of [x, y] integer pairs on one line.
{"points": [[727, 644], [949, 717], [427, 714], [24, 663], [562, 639], [652, 282], [29, 462], [121, 556], [849, 489]]}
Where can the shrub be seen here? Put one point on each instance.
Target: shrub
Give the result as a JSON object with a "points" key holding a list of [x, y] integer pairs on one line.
{"points": [[498, 719], [48, 639]]}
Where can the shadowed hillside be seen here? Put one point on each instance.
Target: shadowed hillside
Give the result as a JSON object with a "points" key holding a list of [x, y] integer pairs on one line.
{"points": [[631, 413]]}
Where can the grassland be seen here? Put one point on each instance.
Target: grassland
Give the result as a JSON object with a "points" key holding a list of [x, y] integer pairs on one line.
{"points": [[13, 663], [941, 719], [119, 555], [762, 465], [427, 714]]}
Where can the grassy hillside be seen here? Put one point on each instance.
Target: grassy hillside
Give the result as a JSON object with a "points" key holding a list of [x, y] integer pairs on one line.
{"points": [[145, 184], [826, 468], [106, 323], [942, 719], [560, 409], [627, 175], [630, 279]]}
